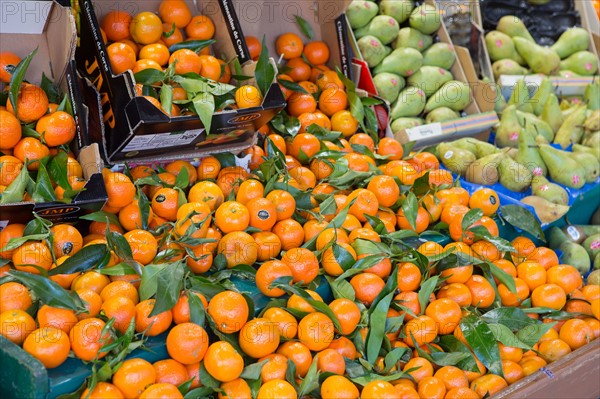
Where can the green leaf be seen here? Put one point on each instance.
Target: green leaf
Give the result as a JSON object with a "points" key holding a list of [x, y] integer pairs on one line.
{"points": [[504, 335], [341, 288], [199, 393], [169, 283], [166, 97], [295, 87], [50, 89], [482, 233], [101, 216], [342, 256], [264, 71], [204, 105], [522, 219], [503, 277], [15, 190], [471, 217], [150, 280], [197, 311], [311, 380], [193, 85], [377, 327], [16, 78], [365, 379], [532, 333], [57, 168], [328, 207], [426, 290], [85, 259], [118, 243], [225, 159], [483, 342], [208, 379], [410, 207], [291, 374], [144, 206], [43, 186], [120, 269], [393, 357], [452, 345], [447, 358], [252, 372], [194, 45], [305, 27], [513, 318], [149, 76], [16, 242], [49, 292], [182, 180]]}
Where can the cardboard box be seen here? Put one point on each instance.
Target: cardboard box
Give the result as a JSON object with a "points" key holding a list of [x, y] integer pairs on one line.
{"points": [[134, 128], [463, 69], [50, 28]]}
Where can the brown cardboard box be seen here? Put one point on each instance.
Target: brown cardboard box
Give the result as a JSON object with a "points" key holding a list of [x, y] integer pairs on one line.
{"points": [[50, 28], [134, 128]]}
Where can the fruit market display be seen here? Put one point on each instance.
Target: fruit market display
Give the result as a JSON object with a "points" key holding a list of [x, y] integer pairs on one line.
{"points": [[36, 129], [396, 39], [327, 260]]}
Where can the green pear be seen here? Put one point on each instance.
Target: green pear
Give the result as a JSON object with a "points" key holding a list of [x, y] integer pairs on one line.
{"points": [[454, 94], [372, 50], [507, 67], [400, 124], [552, 192], [513, 175], [576, 256], [514, 27], [594, 277], [556, 237], [540, 97], [562, 168], [501, 47], [520, 97], [592, 122], [411, 102], [512, 152], [403, 61], [539, 139], [440, 55], [455, 159], [584, 63], [441, 114], [590, 164], [571, 41], [360, 12], [409, 37], [539, 127], [499, 101], [589, 150], [484, 171], [398, 9], [571, 130], [466, 143], [528, 154], [426, 19], [546, 211], [483, 149], [567, 74], [509, 129], [593, 141], [539, 59], [551, 113], [592, 96], [388, 85], [383, 27], [592, 245], [429, 79]]}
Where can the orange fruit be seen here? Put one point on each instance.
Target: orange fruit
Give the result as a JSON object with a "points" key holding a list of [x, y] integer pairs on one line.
{"points": [[10, 130], [161, 391], [488, 384], [143, 245], [509, 298], [421, 223], [130, 216], [316, 331], [32, 150], [317, 53], [347, 313], [254, 46], [120, 189], [424, 329], [49, 345], [337, 386], [390, 148], [16, 325], [549, 295], [457, 292], [409, 277], [289, 45], [303, 263], [66, 240], [122, 309], [32, 103], [565, 276], [63, 319], [332, 100], [286, 323], [485, 199], [367, 286], [452, 377], [200, 27], [32, 256], [267, 273], [275, 368], [175, 12], [299, 69], [544, 256], [247, 97], [290, 233], [385, 189], [301, 103], [553, 349], [8, 60], [330, 361], [364, 202], [259, 337], [532, 273], [13, 230], [102, 390], [446, 313], [151, 325], [268, 245], [299, 354], [115, 25], [187, 343], [145, 28], [523, 246], [121, 57], [134, 376], [482, 292], [10, 167], [186, 61], [280, 389], [87, 339], [431, 387], [239, 248], [576, 333], [379, 389], [156, 52], [327, 79], [237, 388], [229, 311], [223, 362], [211, 67]]}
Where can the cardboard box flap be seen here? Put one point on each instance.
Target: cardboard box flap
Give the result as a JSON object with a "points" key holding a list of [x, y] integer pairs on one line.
{"points": [[25, 26]]}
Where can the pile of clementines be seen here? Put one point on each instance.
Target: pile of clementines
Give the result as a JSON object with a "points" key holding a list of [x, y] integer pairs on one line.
{"points": [[36, 129], [401, 318]]}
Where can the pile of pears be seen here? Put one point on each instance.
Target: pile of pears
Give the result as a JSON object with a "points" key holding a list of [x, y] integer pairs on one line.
{"points": [[410, 71], [579, 244], [513, 51]]}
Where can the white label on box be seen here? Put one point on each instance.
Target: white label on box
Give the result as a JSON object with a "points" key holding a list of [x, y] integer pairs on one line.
{"points": [[424, 132], [162, 140]]}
